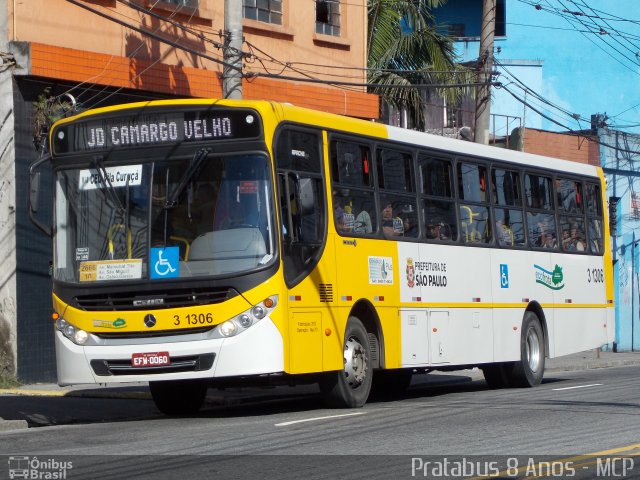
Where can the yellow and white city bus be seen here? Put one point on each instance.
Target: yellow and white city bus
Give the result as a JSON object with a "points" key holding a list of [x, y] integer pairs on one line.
{"points": [[199, 243]]}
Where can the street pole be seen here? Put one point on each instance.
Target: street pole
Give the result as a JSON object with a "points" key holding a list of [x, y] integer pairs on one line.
{"points": [[232, 74], [485, 65]]}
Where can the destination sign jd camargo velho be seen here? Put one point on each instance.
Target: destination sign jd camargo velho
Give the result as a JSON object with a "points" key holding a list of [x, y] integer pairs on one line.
{"points": [[126, 131]]}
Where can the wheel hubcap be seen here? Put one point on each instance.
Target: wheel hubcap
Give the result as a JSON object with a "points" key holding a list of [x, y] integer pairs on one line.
{"points": [[533, 350], [355, 362]]}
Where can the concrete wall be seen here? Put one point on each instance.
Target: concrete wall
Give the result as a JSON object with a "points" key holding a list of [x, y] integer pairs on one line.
{"points": [[8, 302]]}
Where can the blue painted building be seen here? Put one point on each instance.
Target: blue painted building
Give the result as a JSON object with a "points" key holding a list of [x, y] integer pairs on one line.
{"points": [[620, 154]]}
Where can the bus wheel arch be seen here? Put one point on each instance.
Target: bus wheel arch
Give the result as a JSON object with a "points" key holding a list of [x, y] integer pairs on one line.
{"points": [[366, 313], [536, 308], [350, 387]]}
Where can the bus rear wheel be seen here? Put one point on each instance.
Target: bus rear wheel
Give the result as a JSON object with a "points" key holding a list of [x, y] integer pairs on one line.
{"points": [[178, 397], [350, 387], [529, 370]]}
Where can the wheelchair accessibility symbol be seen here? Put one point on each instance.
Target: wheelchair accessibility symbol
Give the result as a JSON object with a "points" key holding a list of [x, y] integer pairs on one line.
{"points": [[164, 262]]}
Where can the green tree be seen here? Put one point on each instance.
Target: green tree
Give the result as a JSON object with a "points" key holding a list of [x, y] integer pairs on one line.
{"points": [[405, 50]]}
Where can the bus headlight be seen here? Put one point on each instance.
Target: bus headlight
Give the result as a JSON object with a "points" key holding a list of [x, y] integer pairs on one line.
{"points": [[246, 319], [73, 333], [80, 337], [228, 328]]}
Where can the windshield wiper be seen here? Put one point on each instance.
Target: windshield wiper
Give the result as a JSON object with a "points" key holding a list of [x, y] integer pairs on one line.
{"points": [[98, 162], [194, 167]]}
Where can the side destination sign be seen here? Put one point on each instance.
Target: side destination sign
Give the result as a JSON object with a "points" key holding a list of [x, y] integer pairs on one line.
{"points": [[154, 128]]}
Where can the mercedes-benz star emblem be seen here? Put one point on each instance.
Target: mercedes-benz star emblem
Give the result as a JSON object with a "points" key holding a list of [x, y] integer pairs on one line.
{"points": [[150, 320]]}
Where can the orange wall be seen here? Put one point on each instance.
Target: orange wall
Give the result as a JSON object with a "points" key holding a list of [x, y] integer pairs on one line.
{"points": [[569, 147], [71, 43]]}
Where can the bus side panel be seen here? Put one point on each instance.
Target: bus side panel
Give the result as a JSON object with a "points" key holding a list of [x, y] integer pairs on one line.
{"points": [[316, 327], [513, 281], [368, 272], [452, 285], [580, 299]]}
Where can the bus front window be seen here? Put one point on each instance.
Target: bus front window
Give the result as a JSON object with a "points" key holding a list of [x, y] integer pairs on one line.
{"points": [[221, 221], [209, 217]]}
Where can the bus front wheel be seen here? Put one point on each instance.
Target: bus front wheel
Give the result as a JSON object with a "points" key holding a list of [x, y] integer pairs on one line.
{"points": [[178, 397], [350, 387], [529, 370]]}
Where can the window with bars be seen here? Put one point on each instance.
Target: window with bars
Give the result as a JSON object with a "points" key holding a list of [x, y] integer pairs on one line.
{"points": [[269, 11], [328, 17]]}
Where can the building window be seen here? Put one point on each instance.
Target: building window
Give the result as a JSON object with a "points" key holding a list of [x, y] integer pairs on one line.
{"points": [[185, 3], [269, 11], [328, 17]]}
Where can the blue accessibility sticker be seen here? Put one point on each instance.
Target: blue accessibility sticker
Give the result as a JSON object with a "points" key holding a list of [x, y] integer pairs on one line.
{"points": [[165, 262]]}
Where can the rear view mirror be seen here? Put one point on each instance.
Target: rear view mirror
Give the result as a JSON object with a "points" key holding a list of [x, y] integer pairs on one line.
{"points": [[34, 195]]}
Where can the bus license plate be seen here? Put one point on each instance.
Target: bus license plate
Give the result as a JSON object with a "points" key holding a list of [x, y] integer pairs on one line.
{"points": [[150, 359]]}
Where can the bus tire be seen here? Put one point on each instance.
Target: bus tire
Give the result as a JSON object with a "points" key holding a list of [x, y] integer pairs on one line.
{"points": [[498, 375], [178, 397], [350, 388], [529, 370]]}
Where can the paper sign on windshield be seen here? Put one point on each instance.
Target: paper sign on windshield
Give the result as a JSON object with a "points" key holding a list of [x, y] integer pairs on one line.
{"points": [[118, 177]]}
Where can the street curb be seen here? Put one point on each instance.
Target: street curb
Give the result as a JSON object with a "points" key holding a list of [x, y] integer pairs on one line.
{"points": [[214, 399], [7, 425], [75, 393], [594, 364]]}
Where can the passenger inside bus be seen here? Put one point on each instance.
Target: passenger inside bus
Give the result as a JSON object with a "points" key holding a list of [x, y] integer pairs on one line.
{"points": [[391, 225], [346, 219], [504, 234], [343, 214], [437, 229], [410, 226]]}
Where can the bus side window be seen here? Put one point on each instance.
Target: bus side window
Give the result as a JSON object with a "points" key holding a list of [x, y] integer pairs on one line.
{"points": [[507, 208], [397, 200], [350, 164], [595, 231], [475, 226]]}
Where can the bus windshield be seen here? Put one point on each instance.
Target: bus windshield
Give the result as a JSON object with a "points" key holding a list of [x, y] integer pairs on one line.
{"points": [[204, 215]]}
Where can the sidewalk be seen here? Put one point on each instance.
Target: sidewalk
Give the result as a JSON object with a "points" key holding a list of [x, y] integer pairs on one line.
{"points": [[592, 359], [578, 361]]}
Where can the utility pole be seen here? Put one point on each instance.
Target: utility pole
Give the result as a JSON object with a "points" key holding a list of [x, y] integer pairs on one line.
{"points": [[485, 66], [232, 74]]}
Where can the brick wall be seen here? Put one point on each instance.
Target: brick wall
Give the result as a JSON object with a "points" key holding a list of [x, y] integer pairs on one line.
{"points": [[561, 145], [95, 68]]}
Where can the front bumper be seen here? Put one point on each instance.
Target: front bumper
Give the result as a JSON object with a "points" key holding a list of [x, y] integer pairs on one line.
{"points": [[257, 350]]}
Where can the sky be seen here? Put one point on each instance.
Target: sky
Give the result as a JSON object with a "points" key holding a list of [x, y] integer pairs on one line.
{"points": [[583, 72]]}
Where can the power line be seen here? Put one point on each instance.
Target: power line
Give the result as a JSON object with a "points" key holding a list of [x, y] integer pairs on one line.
{"points": [[569, 131]]}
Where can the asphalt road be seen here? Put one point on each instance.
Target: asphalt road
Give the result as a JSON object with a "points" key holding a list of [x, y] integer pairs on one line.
{"points": [[267, 435]]}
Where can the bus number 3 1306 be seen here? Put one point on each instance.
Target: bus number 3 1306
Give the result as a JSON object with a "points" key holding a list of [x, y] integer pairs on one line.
{"points": [[595, 275], [193, 319]]}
